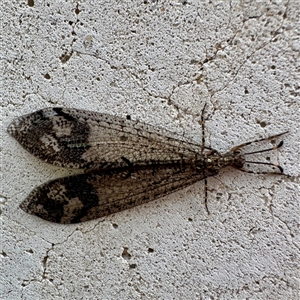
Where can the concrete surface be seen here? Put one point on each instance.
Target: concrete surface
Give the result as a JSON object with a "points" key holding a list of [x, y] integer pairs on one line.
{"points": [[158, 62]]}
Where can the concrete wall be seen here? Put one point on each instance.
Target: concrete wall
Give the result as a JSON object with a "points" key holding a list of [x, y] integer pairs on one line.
{"points": [[158, 62]]}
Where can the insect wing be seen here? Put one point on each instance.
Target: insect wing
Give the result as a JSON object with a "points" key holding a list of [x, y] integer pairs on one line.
{"points": [[100, 193], [82, 139]]}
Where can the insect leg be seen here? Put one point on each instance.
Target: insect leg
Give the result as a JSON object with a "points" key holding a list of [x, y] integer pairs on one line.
{"points": [[202, 150], [205, 200], [203, 128]]}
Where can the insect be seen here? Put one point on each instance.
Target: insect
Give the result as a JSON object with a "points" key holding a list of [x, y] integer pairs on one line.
{"points": [[126, 162]]}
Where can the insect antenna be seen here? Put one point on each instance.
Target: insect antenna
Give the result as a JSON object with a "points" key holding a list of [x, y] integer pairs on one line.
{"points": [[265, 163], [265, 150], [260, 140], [280, 169], [266, 172]]}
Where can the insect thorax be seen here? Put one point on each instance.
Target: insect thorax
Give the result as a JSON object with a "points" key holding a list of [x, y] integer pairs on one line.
{"points": [[216, 161]]}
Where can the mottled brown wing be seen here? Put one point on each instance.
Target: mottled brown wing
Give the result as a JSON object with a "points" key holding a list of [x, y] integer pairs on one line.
{"points": [[83, 139], [100, 193]]}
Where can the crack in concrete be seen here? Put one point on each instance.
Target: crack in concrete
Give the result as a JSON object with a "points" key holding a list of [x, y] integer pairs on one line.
{"points": [[44, 260]]}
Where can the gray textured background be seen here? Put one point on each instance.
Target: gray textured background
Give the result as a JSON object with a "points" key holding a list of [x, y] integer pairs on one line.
{"points": [[159, 63]]}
